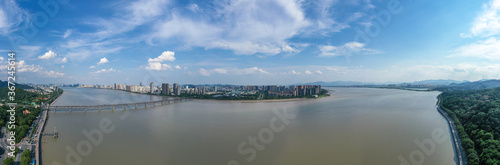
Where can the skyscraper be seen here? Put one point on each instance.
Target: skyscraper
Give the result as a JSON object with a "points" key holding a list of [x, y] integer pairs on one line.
{"points": [[177, 90], [151, 86], [168, 89], [164, 88]]}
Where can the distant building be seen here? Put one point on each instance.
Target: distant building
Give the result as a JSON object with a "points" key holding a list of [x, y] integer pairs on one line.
{"points": [[164, 88], [151, 88], [177, 89]]}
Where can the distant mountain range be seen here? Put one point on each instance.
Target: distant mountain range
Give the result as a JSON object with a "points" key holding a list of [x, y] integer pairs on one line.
{"points": [[437, 82], [442, 85], [481, 84]]}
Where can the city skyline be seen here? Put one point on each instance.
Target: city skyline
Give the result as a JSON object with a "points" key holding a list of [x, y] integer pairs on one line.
{"points": [[273, 42]]}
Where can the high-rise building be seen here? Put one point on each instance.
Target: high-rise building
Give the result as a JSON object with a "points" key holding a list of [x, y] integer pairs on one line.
{"points": [[177, 90], [164, 88], [168, 89], [151, 86], [140, 84]]}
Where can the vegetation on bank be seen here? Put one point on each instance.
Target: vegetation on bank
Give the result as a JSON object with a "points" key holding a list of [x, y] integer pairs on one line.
{"points": [[477, 118]]}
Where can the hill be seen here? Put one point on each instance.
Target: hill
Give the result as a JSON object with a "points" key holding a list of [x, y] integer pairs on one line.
{"points": [[22, 86]]}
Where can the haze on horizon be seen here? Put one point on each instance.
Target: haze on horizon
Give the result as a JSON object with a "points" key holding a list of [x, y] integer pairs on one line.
{"points": [[252, 41]]}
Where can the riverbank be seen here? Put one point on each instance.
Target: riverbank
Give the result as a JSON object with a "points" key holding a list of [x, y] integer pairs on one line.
{"points": [[457, 143]]}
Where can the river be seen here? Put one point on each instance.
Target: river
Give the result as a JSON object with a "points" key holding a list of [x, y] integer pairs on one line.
{"points": [[354, 126]]}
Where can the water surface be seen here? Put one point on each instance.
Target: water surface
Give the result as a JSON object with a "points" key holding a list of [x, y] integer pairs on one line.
{"points": [[353, 127]]}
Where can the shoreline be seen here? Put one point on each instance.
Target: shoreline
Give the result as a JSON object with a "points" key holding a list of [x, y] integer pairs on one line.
{"points": [[457, 143], [243, 101]]}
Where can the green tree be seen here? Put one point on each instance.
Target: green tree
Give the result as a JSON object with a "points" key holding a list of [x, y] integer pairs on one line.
{"points": [[9, 161]]}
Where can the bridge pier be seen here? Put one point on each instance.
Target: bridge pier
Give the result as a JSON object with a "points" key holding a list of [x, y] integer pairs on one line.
{"points": [[145, 105], [69, 109], [136, 106], [154, 104], [124, 108], [85, 109], [113, 108], [99, 109]]}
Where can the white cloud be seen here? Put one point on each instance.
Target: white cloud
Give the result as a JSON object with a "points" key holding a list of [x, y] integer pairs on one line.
{"points": [[204, 72], [193, 7], [246, 27], [62, 66], [178, 67], [155, 63], [348, 49], [308, 72], [53, 74], [488, 22], [48, 55], [92, 67], [103, 71], [319, 72], [11, 16], [64, 60], [158, 66], [220, 70], [67, 33], [3, 19], [293, 72], [488, 49], [233, 71], [103, 61], [165, 56], [22, 66]]}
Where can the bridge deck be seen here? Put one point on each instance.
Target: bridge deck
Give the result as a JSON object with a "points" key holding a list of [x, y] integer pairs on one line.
{"points": [[105, 106]]}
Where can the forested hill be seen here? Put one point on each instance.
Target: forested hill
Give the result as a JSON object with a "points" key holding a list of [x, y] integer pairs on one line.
{"points": [[22, 86], [466, 86], [479, 114]]}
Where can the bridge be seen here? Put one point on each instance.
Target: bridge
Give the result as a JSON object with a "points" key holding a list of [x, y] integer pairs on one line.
{"points": [[114, 106]]}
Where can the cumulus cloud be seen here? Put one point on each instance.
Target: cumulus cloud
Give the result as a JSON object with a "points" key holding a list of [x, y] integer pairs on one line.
{"points": [[319, 72], [103, 61], [158, 66], [292, 72], [156, 63], [308, 72], [48, 55], [165, 56], [64, 60], [104, 71], [22, 66], [488, 21], [488, 49], [178, 67], [348, 49], [92, 67]]}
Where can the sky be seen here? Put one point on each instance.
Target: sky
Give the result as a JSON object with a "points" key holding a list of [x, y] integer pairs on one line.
{"points": [[249, 41]]}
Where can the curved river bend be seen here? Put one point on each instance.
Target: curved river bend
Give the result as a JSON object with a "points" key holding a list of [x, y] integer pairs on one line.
{"points": [[354, 126]]}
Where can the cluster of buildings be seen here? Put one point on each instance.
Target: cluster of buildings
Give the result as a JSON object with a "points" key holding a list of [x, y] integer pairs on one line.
{"points": [[292, 91], [175, 89]]}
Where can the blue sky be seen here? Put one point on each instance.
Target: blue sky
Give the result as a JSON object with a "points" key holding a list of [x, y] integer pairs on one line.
{"points": [[250, 41]]}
